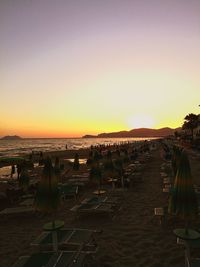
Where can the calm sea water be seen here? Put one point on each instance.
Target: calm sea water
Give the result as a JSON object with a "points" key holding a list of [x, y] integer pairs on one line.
{"points": [[17, 147], [10, 148]]}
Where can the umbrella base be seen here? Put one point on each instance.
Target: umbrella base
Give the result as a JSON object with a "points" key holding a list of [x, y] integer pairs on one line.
{"points": [[190, 234]]}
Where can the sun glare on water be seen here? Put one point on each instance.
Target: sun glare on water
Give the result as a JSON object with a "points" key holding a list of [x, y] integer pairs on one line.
{"points": [[140, 121]]}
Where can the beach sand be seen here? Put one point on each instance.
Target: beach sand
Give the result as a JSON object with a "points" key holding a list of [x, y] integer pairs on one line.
{"points": [[133, 237]]}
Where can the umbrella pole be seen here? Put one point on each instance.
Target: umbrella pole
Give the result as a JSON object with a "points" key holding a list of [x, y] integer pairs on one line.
{"points": [[186, 227], [54, 234], [55, 240], [122, 181]]}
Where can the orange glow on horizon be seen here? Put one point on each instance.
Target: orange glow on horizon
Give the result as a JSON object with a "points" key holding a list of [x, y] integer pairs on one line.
{"points": [[68, 73]]}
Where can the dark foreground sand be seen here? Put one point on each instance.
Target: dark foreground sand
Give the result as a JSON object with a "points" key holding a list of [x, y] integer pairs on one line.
{"points": [[133, 237]]}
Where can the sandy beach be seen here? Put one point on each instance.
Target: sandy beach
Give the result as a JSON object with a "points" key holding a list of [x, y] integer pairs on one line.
{"points": [[132, 237]]}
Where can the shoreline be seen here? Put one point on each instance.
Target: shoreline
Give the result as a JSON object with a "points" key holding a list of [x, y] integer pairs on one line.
{"points": [[69, 153]]}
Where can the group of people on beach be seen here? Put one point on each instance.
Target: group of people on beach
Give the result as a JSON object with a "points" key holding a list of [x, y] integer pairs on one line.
{"points": [[17, 168]]}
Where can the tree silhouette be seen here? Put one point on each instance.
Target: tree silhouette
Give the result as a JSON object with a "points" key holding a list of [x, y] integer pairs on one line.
{"points": [[190, 123]]}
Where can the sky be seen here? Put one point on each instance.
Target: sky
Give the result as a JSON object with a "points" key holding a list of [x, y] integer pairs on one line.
{"points": [[69, 68]]}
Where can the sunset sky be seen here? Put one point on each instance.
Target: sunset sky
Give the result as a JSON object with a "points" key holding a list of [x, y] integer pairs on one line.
{"points": [[69, 68]]}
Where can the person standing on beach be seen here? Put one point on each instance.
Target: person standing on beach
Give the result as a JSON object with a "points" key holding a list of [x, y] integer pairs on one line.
{"points": [[76, 164], [12, 171], [19, 169]]}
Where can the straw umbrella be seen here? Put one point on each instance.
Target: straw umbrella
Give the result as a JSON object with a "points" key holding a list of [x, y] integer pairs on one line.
{"points": [[183, 202]]}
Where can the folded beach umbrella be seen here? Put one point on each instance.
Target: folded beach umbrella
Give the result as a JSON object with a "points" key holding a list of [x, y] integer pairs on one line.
{"points": [[48, 199], [183, 202], [24, 179], [118, 163], [176, 157], [108, 165], [48, 195]]}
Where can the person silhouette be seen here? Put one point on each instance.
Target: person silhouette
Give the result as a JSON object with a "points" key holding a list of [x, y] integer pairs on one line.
{"points": [[12, 171]]}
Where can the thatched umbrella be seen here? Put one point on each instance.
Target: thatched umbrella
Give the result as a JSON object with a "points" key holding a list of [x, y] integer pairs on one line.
{"points": [[183, 202]]}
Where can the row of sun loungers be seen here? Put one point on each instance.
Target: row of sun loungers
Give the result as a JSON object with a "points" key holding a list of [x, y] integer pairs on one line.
{"points": [[74, 244], [166, 181]]}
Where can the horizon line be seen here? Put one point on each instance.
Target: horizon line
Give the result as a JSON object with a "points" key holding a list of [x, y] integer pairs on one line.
{"points": [[95, 135]]}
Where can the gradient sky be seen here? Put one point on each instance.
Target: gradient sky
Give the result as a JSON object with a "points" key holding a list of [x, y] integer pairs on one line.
{"points": [[69, 68]]}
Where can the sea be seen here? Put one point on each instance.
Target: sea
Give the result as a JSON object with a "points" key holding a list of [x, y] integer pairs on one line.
{"points": [[12, 148]]}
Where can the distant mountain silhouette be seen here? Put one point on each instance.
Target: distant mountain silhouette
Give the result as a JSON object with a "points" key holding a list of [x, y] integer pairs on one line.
{"points": [[141, 132], [11, 137]]}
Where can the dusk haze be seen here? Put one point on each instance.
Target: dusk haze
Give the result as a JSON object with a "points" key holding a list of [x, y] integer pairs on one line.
{"points": [[70, 68]]}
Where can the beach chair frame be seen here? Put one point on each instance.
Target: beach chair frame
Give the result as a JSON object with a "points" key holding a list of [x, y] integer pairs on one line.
{"points": [[70, 240]]}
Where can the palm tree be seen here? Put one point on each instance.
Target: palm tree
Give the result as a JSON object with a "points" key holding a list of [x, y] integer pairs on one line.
{"points": [[190, 123]]}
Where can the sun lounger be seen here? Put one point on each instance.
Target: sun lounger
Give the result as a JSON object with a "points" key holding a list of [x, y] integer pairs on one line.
{"points": [[27, 203], [69, 239], [114, 200], [52, 259], [194, 262], [189, 244], [93, 208], [27, 196], [68, 190], [17, 210]]}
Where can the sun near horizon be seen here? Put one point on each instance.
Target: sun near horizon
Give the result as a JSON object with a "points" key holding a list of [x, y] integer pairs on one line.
{"points": [[70, 68]]}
